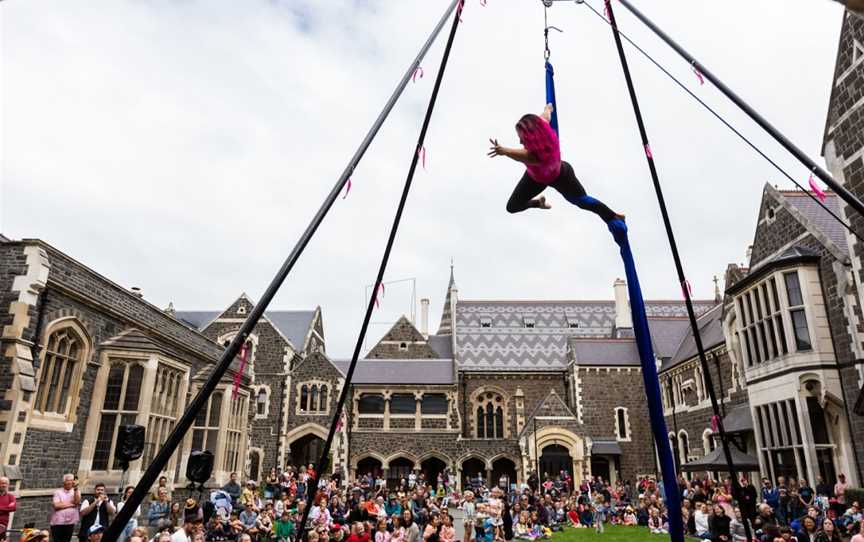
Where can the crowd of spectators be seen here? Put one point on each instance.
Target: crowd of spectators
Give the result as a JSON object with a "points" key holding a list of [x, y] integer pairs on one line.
{"points": [[418, 508]]}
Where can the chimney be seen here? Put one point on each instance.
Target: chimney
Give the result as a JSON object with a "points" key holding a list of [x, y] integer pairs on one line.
{"points": [[623, 318], [136, 291], [424, 317]]}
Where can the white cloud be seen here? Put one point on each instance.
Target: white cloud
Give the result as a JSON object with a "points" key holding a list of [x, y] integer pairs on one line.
{"points": [[184, 146]]}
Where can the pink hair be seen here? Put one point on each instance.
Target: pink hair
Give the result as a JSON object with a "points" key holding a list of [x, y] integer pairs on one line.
{"points": [[538, 137]]}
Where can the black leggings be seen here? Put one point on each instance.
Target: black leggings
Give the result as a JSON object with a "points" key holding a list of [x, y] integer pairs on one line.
{"points": [[569, 187]]}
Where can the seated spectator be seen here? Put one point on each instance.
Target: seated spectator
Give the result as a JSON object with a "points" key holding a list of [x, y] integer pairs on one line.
{"points": [[808, 530], [656, 524], [720, 525], [700, 519]]}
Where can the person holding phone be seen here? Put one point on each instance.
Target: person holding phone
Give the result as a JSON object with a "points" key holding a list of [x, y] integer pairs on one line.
{"points": [[66, 501]]}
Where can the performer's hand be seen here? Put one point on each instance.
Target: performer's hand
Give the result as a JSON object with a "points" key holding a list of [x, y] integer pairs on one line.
{"points": [[495, 149]]}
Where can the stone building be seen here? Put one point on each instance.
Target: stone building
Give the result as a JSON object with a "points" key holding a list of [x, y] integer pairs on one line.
{"points": [[83, 356], [507, 387], [843, 150]]}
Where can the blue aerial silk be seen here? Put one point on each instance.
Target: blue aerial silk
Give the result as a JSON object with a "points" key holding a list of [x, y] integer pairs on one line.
{"points": [[550, 96], [652, 383]]}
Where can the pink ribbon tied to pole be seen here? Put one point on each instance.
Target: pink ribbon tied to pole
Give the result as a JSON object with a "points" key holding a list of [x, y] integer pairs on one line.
{"points": [[686, 290], [648, 152], [418, 71], [381, 288], [347, 188], [421, 153], [459, 9], [607, 9], [715, 423], [238, 378], [816, 190], [339, 423], [699, 75]]}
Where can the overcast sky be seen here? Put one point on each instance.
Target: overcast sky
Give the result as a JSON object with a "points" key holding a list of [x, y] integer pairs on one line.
{"points": [[183, 146]]}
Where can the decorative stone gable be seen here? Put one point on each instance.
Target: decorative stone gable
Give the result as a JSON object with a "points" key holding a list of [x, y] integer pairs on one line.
{"points": [[403, 341]]}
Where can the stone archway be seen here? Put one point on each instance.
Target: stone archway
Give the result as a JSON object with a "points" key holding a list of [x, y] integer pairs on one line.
{"points": [[369, 465], [504, 472], [398, 469], [431, 467], [568, 454], [554, 458], [473, 467], [306, 450]]}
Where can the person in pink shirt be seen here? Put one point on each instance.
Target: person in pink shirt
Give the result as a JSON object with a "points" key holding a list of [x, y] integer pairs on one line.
{"points": [[860, 536], [541, 154], [66, 501], [7, 504]]}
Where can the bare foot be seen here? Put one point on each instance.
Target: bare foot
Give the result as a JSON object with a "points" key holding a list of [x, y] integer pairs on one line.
{"points": [[541, 203]]}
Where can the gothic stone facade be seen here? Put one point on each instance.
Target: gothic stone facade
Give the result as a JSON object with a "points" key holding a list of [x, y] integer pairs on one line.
{"points": [[82, 355]]}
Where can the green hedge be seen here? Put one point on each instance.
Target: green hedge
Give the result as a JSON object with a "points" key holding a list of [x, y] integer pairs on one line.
{"points": [[854, 494]]}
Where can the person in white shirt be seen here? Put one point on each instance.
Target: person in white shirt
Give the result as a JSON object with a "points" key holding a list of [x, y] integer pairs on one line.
{"points": [[700, 519]]}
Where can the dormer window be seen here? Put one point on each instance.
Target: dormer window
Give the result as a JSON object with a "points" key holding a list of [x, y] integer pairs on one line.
{"points": [[403, 346], [529, 322], [241, 309], [572, 321], [485, 322]]}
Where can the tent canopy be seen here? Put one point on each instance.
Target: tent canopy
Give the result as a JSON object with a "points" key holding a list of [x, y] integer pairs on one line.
{"points": [[716, 462]]}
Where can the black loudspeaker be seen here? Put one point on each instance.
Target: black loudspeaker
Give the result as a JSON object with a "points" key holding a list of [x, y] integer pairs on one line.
{"points": [[199, 467], [130, 443]]}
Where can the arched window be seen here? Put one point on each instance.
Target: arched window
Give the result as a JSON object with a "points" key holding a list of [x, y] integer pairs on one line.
{"points": [[261, 403], [304, 398], [684, 446], [64, 355], [708, 443], [313, 399], [322, 406], [622, 424], [490, 416]]}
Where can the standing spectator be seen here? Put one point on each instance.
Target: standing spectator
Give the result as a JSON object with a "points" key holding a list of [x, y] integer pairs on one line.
{"points": [[95, 512], [770, 494], [133, 521], [806, 495], [66, 501], [748, 499], [823, 493], [840, 489], [7, 505], [233, 488]]}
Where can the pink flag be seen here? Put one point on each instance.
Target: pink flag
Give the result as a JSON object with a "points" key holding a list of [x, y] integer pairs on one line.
{"points": [[816, 190]]}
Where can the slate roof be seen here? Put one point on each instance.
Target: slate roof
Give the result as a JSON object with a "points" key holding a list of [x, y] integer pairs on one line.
{"points": [[615, 352], [294, 325], [826, 223], [710, 330], [507, 344], [442, 345], [399, 371], [666, 335]]}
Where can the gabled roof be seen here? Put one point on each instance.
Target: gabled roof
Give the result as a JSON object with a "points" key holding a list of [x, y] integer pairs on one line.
{"points": [[294, 325], [667, 334], [710, 331], [819, 217], [551, 405], [399, 371], [493, 336]]}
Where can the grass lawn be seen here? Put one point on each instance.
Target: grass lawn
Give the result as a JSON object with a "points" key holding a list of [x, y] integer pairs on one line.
{"points": [[614, 533]]}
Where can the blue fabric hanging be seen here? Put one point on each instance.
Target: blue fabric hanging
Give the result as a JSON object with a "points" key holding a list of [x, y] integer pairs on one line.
{"points": [[651, 381], [550, 96]]}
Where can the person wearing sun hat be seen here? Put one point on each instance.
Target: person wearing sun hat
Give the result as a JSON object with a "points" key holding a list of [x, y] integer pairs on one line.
{"points": [[193, 518], [33, 535]]}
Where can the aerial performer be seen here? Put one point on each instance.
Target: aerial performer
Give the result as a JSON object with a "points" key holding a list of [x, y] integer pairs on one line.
{"points": [[541, 154]]}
